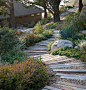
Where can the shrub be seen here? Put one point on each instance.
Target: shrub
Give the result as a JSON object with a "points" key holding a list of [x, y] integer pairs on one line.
{"points": [[11, 56], [39, 28], [31, 39], [76, 39], [48, 33], [77, 21], [49, 45], [62, 9], [51, 25], [67, 31], [30, 74], [42, 37], [69, 52], [49, 16], [8, 39]]}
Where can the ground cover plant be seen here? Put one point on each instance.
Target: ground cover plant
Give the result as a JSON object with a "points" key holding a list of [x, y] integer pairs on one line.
{"points": [[49, 45], [69, 52], [8, 46], [51, 25], [29, 74]]}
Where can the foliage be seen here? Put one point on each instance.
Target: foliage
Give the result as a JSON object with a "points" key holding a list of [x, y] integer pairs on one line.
{"points": [[51, 5], [76, 39], [31, 39], [49, 16], [49, 45], [42, 37], [30, 74], [62, 9], [68, 6], [69, 52], [39, 28], [77, 21], [83, 56], [48, 33], [8, 39], [67, 31], [44, 21], [12, 55], [51, 25]]}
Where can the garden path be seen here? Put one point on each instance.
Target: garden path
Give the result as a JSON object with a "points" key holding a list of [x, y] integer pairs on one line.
{"points": [[68, 73]]}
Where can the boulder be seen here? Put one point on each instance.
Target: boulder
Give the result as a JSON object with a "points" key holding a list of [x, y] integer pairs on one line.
{"points": [[61, 43]]}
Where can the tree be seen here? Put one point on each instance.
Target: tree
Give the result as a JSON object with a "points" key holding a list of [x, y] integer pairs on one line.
{"points": [[51, 5], [6, 5], [80, 5], [39, 3]]}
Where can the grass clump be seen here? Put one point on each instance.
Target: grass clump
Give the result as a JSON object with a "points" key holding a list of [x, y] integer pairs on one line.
{"points": [[38, 28], [49, 45], [67, 32]]}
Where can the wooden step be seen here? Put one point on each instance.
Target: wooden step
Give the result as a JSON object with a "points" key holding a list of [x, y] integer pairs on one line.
{"points": [[40, 44], [65, 65], [72, 76], [37, 48], [51, 88], [61, 61], [51, 59], [71, 85], [30, 51], [70, 70], [68, 87]]}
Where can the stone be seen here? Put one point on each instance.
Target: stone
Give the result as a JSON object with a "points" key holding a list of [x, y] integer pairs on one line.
{"points": [[61, 43], [76, 47]]}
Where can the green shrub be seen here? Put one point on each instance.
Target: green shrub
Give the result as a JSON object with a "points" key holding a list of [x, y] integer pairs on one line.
{"points": [[8, 39], [77, 21], [12, 55], [38, 28], [69, 52], [49, 45], [61, 9], [67, 31], [83, 56], [30, 74], [31, 39], [42, 37], [48, 33], [51, 25]]}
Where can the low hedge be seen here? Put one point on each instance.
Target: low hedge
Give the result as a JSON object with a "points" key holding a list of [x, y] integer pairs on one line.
{"points": [[30, 74]]}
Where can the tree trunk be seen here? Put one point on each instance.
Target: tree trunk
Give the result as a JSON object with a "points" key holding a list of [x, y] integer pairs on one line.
{"points": [[80, 5], [12, 17], [56, 15], [45, 12]]}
